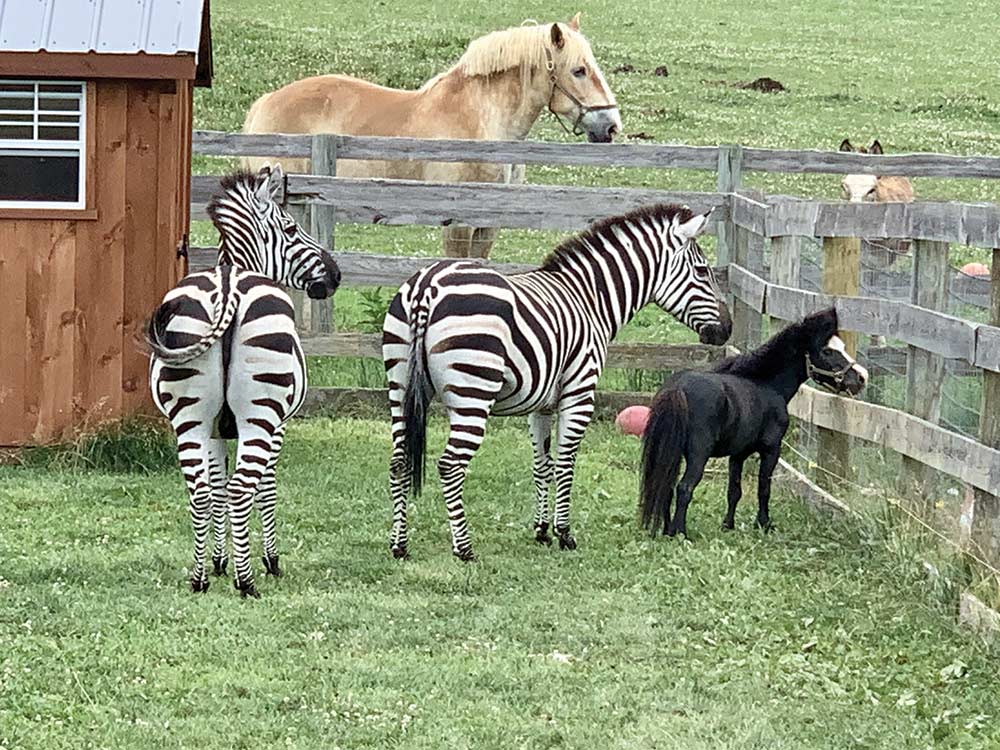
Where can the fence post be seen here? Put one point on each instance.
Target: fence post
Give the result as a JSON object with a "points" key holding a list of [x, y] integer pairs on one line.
{"points": [[925, 371], [322, 161], [730, 179], [841, 277], [786, 265], [986, 510]]}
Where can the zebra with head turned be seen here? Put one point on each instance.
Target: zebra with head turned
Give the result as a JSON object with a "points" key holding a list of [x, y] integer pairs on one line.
{"points": [[227, 363], [532, 343]]}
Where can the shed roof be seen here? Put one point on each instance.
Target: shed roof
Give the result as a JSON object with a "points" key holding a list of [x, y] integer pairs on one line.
{"points": [[109, 27], [156, 27]]}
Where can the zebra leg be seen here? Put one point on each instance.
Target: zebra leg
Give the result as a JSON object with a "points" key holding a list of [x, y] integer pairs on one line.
{"points": [[540, 426], [195, 460], [468, 427], [218, 472], [397, 372], [573, 421], [267, 498], [252, 458]]}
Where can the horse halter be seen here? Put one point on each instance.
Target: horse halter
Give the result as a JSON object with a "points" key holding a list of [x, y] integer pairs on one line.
{"points": [[583, 109], [837, 376]]}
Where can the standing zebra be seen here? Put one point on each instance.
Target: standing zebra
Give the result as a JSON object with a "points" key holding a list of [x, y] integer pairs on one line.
{"points": [[227, 363], [533, 343]]}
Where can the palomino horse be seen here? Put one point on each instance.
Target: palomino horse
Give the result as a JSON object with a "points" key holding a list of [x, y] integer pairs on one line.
{"points": [[496, 91]]}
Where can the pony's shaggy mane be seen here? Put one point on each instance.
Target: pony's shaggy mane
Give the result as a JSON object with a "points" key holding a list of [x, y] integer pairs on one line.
{"points": [[772, 356], [588, 239], [519, 47]]}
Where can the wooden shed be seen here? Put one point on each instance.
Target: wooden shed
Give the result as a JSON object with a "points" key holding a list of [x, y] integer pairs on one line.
{"points": [[95, 163]]}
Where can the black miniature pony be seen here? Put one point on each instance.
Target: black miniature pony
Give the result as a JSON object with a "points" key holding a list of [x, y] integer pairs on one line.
{"points": [[737, 408]]}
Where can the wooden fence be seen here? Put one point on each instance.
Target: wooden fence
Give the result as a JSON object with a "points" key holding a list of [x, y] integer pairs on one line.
{"points": [[747, 224]]}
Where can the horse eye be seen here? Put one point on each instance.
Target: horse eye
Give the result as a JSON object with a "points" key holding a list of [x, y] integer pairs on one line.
{"points": [[701, 271], [827, 351], [580, 72]]}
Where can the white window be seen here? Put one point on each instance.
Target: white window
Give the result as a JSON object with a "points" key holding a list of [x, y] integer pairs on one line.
{"points": [[42, 144]]}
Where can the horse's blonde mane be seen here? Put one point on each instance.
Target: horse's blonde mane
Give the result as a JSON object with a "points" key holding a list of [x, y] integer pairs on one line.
{"points": [[519, 47]]}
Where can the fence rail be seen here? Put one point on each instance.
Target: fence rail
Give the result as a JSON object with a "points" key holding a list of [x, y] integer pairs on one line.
{"points": [[668, 156]]}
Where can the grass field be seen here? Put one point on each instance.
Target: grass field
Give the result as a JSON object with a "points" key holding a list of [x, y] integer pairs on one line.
{"points": [[825, 634], [820, 635]]}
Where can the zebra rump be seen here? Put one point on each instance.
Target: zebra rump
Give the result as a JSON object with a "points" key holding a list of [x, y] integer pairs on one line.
{"points": [[177, 348]]}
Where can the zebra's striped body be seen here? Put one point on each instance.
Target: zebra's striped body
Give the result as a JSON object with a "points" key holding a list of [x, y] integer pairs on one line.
{"points": [[227, 363], [532, 343]]}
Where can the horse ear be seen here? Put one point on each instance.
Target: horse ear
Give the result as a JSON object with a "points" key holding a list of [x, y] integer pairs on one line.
{"points": [[557, 37], [845, 145], [876, 147], [574, 22], [692, 227]]}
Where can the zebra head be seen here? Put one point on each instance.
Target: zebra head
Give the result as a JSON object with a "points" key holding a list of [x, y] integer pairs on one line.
{"points": [[685, 285], [258, 234]]}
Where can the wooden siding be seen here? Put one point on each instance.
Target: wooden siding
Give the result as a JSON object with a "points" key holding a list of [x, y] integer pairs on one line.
{"points": [[74, 294]]}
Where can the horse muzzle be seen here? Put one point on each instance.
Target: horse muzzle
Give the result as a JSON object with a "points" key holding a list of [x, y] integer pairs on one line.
{"points": [[716, 333], [601, 124]]}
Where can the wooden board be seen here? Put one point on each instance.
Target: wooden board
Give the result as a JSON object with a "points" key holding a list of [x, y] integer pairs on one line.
{"points": [[14, 262], [612, 155], [100, 267], [145, 166], [398, 202]]}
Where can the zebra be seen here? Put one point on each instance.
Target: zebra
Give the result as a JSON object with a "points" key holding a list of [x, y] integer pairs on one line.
{"points": [[532, 343], [227, 363]]}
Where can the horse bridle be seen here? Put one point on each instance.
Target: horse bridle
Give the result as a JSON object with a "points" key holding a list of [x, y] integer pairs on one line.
{"points": [[582, 108], [837, 376]]}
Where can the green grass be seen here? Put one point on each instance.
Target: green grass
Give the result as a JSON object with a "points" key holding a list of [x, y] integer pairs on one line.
{"points": [[820, 635]]}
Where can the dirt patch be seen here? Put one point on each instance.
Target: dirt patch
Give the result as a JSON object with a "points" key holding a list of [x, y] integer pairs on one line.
{"points": [[640, 136], [764, 85], [624, 68], [661, 70]]}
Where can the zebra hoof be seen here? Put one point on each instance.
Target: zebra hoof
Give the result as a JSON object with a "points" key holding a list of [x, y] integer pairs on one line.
{"points": [[219, 564], [566, 540], [198, 586], [271, 566], [246, 589], [465, 555], [399, 551], [542, 535]]}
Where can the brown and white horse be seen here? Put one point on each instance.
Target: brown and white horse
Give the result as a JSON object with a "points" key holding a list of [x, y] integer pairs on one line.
{"points": [[858, 188], [499, 87]]}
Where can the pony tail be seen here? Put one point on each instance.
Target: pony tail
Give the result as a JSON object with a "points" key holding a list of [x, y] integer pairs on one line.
{"points": [[663, 445], [418, 397]]}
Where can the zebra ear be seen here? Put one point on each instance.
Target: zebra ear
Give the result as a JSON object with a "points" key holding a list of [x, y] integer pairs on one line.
{"points": [[269, 184], [277, 184], [693, 227]]}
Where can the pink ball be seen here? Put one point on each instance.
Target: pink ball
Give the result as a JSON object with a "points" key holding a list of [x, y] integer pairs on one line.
{"points": [[976, 269], [632, 420]]}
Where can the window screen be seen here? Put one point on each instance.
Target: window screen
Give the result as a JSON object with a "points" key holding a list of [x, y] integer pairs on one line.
{"points": [[42, 144]]}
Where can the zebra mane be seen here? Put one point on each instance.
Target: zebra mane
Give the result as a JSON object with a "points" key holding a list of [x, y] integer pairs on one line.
{"points": [[233, 183], [585, 242]]}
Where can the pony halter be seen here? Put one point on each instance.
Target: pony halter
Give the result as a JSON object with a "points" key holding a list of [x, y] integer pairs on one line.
{"points": [[837, 376], [583, 109]]}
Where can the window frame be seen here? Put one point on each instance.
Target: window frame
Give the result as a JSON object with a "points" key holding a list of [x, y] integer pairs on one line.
{"points": [[84, 207]]}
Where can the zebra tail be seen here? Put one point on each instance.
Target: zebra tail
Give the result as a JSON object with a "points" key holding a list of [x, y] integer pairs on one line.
{"points": [[663, 445], [418, 397], [156, 331]]}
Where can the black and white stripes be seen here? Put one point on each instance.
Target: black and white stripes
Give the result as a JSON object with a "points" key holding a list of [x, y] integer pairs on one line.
{"points": [[535, 344], [227, 363]]}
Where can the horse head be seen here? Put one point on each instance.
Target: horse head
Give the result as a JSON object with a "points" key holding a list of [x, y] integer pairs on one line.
{"points": [[579, 92]]}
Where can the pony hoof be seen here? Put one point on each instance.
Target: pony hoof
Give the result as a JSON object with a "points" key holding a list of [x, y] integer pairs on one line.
{"points": [[199, 587], [399, 551], [542, 535], [728, 525], [566, 541], [246, 589], [219, 564], [465, 555], [767, 527], [271, 566]]}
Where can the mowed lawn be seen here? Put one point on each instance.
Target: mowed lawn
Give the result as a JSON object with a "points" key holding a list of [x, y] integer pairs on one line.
{"points": [[815, 636]]}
